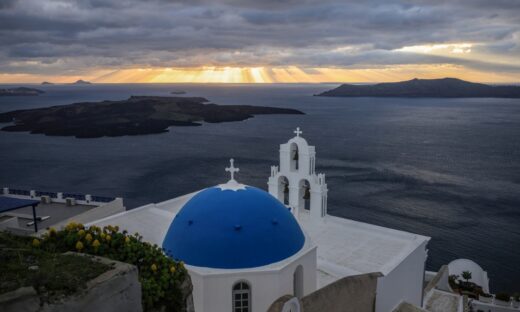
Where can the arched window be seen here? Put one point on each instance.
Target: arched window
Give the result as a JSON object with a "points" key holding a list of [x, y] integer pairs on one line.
{"points": [[241, 297]]}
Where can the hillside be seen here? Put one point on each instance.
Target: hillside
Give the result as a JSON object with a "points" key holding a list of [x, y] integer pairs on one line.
{"points": [[442, 88]]}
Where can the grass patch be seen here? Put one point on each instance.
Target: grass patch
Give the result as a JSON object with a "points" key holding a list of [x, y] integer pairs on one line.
{"points": [[53, 275]]}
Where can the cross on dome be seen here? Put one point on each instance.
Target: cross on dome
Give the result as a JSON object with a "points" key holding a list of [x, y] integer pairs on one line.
{"points": [[232, 184], [298, 131], [231, 169]]}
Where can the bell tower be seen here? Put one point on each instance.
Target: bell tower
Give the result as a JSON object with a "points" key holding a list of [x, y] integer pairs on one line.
{"points": [[295, 182]]}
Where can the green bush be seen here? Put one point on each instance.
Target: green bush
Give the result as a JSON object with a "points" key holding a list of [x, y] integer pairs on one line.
{"points": [[52, 275], [503, 297], [160, 276]]}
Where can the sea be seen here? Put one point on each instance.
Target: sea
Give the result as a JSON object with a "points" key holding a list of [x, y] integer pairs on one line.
{"points": [[444, 168]]}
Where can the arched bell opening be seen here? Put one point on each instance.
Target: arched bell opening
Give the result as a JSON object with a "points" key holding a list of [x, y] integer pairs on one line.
{"points": [[304, 195], [295, 157], [283, 190]]}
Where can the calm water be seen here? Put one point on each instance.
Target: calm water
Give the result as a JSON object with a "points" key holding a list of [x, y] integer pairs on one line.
{"points": [[446, 168]]}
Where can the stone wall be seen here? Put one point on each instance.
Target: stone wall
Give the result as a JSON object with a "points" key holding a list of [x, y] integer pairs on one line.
{"points": [[115, 290], [408, 307], [439, 281], [350, 294]]}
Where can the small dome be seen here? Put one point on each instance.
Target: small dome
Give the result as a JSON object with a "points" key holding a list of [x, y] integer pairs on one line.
{"points": [[233, 228]]}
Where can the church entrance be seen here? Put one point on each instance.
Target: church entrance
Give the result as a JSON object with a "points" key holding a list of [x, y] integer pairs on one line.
{"points": [[298, 282]]}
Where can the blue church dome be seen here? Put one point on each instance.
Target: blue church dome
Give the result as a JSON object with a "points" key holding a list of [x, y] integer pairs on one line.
{"points": [[233, 228]]}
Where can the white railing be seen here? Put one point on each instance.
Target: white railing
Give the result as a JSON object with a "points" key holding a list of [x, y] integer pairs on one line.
{"points": [[495, 305], [59, 197]]}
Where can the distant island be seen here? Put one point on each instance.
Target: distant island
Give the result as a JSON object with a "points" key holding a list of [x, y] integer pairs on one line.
{"points": [[21, 91], [82, 82], [178, 92], [437, 88], [134, 116], [46, 83]]}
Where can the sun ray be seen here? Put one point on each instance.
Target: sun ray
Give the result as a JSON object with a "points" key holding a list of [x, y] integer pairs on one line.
{"points": [[266, 74]]}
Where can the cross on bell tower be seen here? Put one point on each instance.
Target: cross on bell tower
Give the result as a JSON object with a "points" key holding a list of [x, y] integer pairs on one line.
{"points": [[231, 169], [298, 131]]}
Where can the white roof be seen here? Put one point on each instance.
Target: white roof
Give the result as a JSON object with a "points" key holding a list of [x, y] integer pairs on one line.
{"points": [[151, 221], [347, 247]]}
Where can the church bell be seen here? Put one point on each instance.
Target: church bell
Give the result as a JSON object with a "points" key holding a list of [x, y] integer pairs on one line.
{"points": [[307, 193], [286, 188], [295, 157]]}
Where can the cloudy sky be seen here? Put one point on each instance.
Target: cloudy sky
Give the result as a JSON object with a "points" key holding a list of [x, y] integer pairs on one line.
{"points": [[258, 40]]}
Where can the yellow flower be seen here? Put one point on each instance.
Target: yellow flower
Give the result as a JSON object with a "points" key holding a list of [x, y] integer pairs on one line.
{"points": [[71, 226], [52, 232], [80, 226], [127, 239], [81, 233], [116, 228], [154, 267], [102, 235], [88, 238], [36, 243], [108, 238], [172, 269], [79, 245], [96, 243]]}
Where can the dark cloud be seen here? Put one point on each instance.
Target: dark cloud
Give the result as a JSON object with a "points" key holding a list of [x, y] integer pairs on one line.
{"points": [[6, 4], [57, 35]]}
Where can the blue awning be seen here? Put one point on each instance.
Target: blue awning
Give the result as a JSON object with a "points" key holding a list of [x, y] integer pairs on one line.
{"points": [[10, 203]]}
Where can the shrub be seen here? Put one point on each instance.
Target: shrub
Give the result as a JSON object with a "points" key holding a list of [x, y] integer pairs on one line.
{"points": [[503, 296], [453, 280], [485, 295], [161, 277]]}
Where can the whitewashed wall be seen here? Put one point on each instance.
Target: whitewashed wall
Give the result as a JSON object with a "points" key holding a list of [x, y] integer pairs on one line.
{"points": [[403, 283], [213, 293]]}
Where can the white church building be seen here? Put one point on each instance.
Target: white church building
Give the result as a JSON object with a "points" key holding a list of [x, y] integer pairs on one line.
{"points": [[244, 248]]}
